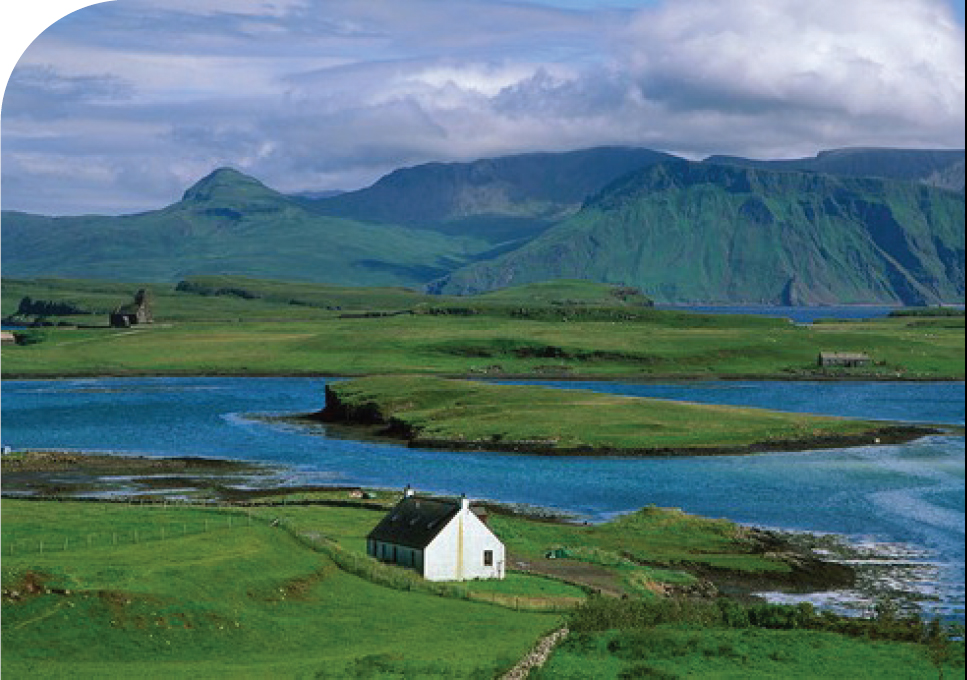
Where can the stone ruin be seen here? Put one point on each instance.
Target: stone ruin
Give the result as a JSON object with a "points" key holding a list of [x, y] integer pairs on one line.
{"points": [[134, 313]]}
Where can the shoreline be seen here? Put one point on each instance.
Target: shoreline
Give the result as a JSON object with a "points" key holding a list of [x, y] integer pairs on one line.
{"points": [[822, 565], [900, 433], [367, 408], [807, 571], [496, 377]]}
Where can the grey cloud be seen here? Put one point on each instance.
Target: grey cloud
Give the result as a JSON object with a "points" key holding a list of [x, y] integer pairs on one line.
{"points": [[39, 91]]}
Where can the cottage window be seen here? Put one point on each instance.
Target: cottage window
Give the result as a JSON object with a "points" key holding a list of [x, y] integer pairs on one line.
{"points": [[488, 558]]}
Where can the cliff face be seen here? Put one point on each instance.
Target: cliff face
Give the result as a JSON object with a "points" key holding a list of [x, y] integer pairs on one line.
{"points": [[699, 233], [339, 411], [362, 412]]}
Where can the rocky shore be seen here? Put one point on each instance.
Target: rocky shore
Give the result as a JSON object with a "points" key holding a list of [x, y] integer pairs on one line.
{"points": [[74, 475]]}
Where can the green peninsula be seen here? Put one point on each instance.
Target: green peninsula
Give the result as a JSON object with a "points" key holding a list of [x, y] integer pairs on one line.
{"points": [[464, 414]]}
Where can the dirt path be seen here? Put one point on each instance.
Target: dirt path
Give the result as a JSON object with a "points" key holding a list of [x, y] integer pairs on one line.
{"points": [[537, 656]]}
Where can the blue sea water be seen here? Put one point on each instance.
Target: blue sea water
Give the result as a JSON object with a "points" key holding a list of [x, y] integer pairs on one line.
{"points": [[909, 495]]}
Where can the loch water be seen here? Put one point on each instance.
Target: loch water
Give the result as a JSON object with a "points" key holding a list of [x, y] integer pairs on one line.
{"points": [[905, 501]]}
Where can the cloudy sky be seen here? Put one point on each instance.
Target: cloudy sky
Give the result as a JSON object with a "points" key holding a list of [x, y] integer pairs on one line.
{"points": [[120, 106]]}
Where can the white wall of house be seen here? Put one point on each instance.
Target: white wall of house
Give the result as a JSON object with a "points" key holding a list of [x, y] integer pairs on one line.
{"points": [[462, 550]]}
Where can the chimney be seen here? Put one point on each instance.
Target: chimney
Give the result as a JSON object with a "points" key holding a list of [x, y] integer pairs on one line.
{"points": [[408, 491]]}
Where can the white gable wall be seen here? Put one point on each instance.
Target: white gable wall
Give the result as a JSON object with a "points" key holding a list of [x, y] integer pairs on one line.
{"points": [[457, 552]]}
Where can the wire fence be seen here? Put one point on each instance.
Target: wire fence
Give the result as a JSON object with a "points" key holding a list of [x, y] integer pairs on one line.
{"points": [[165, 529], [228, 516]]}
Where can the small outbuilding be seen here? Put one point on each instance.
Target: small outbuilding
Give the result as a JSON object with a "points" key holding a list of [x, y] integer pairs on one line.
{"points": [[443, 540], [843, 360]]}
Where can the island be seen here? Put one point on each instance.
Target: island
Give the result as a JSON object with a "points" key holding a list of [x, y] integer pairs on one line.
{"points": [[433, 412]]}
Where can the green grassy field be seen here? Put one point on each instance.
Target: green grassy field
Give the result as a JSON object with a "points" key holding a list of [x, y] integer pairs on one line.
{"points": [[247, 600], [95, 589], [116, 590], [491, 346], [235, 298], [431, 411], [230, 325], [665, 539], [688, 651]]}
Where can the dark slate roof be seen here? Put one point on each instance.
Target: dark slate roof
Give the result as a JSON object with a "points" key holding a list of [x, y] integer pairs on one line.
{"points": [[415, 522]]}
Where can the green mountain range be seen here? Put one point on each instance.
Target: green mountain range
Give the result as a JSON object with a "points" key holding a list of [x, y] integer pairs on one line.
{"points": [[509, 199], [852, 225], [702, 233], [229, 223]]}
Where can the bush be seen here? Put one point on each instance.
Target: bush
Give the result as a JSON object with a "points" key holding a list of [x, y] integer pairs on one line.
{"points": [[31, 337]]}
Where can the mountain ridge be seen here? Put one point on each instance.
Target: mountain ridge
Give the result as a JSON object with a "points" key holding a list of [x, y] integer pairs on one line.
{"points": [[466, 227], [693, 232]]}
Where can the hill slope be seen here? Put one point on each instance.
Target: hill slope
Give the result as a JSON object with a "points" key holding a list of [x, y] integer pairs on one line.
{"points": [[698, 232], [229, 223], [937, 167], [806, 231], [499, 199]]}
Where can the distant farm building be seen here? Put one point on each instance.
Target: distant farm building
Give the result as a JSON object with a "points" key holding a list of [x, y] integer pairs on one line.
{"points": [[6, 337], [137, 312], [442, 540], [843, 360]]}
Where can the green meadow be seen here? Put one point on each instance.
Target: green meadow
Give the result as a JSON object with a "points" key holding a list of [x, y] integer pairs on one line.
{"points": [[117, 590], [431, 411], [228, 325], [214, 600], [671, 651]]}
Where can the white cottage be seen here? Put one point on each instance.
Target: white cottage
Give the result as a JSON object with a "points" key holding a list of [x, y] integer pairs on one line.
{"points": [[442, 540]]}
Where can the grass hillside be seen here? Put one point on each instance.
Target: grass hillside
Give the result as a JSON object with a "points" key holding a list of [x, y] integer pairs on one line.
{"points": [[285, 590], [188, 593], [694, 232], [229, 223]]}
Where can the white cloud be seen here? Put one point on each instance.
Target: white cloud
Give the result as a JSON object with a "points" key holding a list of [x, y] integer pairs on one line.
{"points": [[903, 59]]}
